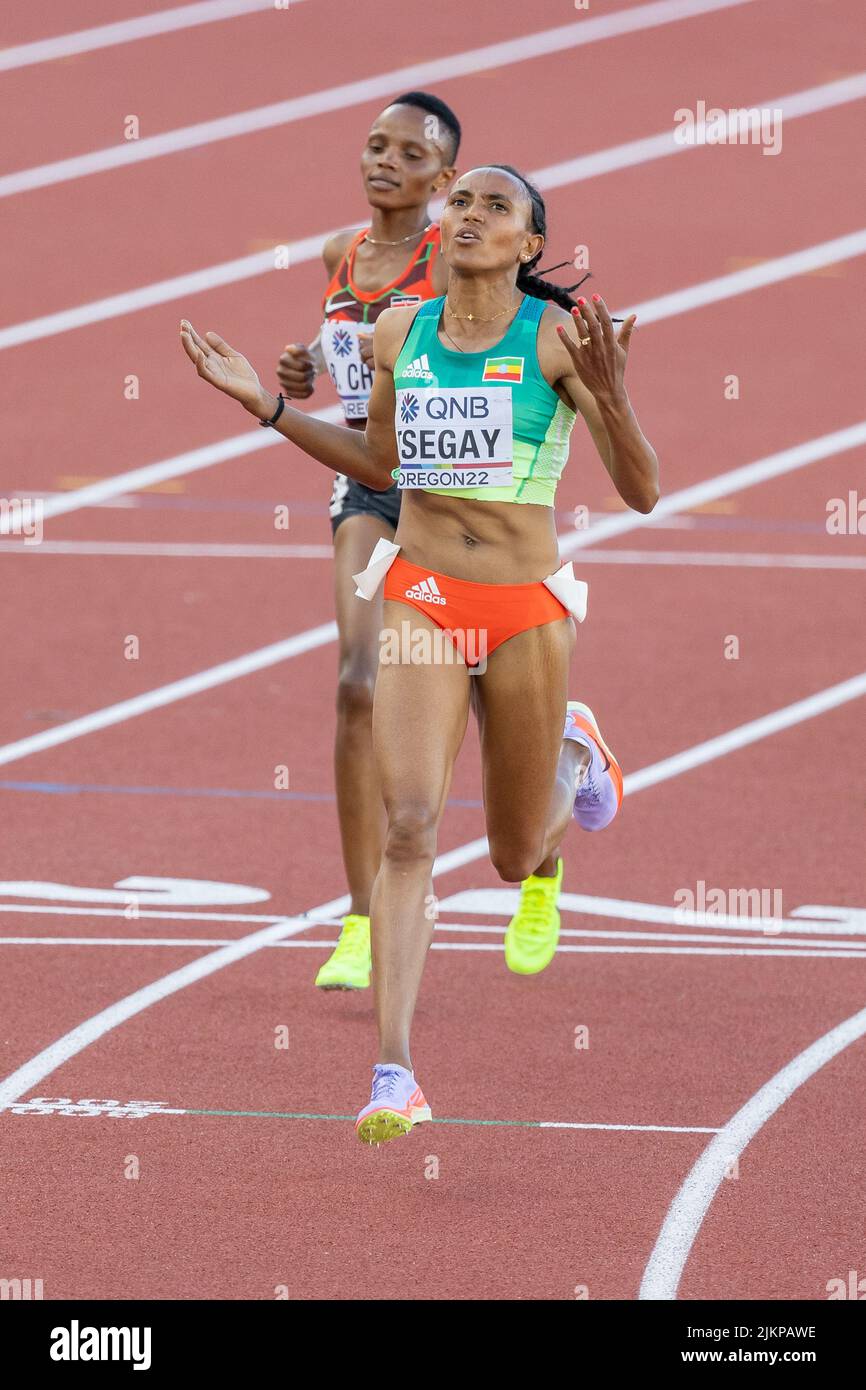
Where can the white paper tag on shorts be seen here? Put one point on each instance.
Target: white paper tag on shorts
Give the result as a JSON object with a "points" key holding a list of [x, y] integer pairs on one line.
{"points": [[458, 437]]}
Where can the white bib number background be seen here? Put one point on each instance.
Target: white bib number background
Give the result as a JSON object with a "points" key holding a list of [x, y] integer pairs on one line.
{"points": [[351, 377], [454, 438]]}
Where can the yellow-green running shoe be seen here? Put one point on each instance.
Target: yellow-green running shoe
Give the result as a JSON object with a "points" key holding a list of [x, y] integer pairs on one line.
{"points": [[532, 933], [348, 966]]}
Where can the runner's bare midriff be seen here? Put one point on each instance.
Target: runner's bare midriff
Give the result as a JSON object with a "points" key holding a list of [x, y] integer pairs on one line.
{"points": [[486, 542]]}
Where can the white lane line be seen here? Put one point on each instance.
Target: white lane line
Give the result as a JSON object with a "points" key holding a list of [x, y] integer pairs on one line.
{"points": [[752, 732], [24, 55], [236, 550], [655, 1129], [185, 942], [167, 694], [693, 938], [684, 1219], [309, 248], [184, 550], [25, 1077], [709, 950], [535, 44], [731, 558], [195, 550], [725, 483], [773, 466], [805, 921], [160, 292], [809, 919], [138, 479], [769, 938], [807, 102], [150, 914], [755, 277], [846, 953], [709, 946]]}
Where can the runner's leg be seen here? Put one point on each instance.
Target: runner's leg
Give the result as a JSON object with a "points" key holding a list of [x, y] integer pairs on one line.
{"points": [[529, 771], [419, 720], [359, 798]]}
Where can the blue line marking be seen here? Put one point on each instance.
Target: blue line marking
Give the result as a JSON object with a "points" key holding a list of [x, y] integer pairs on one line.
{"points": [[85, 788]]}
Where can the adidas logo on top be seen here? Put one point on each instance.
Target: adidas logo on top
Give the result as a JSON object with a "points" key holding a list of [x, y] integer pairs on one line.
{"points": [[427, 591], [419, 369]]}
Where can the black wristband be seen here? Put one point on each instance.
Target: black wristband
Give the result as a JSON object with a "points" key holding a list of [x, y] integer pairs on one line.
{"points": [[277, 413]]}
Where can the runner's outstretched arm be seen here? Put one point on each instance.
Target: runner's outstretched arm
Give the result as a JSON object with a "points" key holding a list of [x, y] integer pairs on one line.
{"points": [[369, 457]]}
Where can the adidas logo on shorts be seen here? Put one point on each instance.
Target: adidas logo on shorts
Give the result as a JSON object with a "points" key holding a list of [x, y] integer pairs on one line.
{"points": [[419, 369], [427, 591]]}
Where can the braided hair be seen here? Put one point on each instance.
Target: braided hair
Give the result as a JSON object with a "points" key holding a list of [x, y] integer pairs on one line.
{"points": [[527, 280]]}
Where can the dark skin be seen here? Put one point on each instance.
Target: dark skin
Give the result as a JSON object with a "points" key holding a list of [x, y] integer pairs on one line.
{"points": [[485, 236], [405, 161], [421, 711], [401, 168]]}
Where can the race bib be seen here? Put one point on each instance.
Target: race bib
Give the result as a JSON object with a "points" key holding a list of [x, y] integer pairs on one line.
{"points": [[351, 377], [454, 438]]}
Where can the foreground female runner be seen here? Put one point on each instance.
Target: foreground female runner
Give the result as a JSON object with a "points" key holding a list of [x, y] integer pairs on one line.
{"points": [[478, 448]]}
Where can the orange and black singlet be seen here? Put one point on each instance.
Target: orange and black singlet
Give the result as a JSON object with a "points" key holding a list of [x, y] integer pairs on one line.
{"points": [[349, 311]]}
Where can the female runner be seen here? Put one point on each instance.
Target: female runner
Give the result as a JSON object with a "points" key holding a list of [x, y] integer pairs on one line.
{"points": [[408, 157], [478, 449]]}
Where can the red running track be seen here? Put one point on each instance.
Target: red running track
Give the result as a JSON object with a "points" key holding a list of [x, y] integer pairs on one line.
{"points": [[685, 1022]]}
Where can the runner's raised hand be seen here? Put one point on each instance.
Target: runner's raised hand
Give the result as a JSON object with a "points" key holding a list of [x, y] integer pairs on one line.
{"points": [[600, 354], [221, 365]]}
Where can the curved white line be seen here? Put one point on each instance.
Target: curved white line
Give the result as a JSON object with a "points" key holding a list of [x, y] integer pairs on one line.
{"points": [[25, 1077], [31, 1072], [691, 1204]]}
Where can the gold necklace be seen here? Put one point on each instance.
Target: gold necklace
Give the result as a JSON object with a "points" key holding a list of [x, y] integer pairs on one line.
{"points": [[473, 318], [374, 241]]}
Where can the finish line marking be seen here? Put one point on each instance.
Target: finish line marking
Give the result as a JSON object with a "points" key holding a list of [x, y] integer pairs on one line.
{"points": [[141, 1109]]}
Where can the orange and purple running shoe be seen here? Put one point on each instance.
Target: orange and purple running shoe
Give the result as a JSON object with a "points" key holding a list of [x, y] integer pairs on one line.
{"points": [[397, 1103], [599, 795]]}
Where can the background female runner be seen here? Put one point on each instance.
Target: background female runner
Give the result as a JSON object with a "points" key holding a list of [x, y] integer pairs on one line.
{"points": [[408, 157]]}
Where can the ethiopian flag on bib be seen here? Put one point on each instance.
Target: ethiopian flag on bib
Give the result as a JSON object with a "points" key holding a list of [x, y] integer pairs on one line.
{"points": [[503, 369]]}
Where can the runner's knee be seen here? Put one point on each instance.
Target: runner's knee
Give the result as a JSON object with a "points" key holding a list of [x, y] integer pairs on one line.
{"points": [[515, 860], [411, 836], [355, 686]]}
